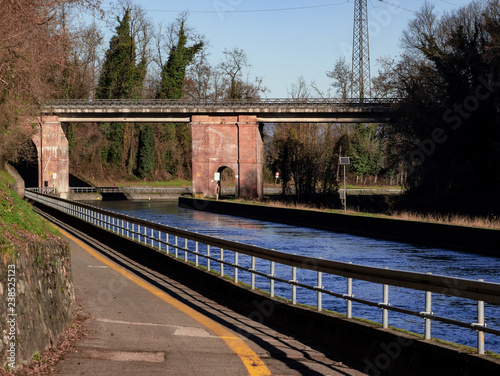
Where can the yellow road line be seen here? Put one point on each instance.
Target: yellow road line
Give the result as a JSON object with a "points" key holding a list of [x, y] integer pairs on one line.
{"points": [[250, 359]]}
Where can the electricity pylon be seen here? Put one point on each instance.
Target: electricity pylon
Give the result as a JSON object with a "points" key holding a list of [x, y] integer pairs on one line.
{"points": [[361, 81]]}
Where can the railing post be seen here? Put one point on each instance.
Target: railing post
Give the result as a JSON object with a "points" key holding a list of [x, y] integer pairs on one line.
{"points": [[294, 287], [271, 280], [176, 246], [428, 310], [349, 294], [385, 311], [320, 295], [167, 247], [480, 322], [252, 282], [208, 255], [185, 249], [236, 267], [196, 249], [222, 262]]}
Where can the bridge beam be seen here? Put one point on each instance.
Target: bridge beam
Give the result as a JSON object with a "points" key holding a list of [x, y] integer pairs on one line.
{"points": [[51, 142], [227, 141]]}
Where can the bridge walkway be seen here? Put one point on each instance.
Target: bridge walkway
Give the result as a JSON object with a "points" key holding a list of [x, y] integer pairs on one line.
{"points": [[143, 323]]}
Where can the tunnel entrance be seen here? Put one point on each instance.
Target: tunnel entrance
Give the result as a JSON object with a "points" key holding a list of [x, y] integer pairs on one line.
{"points": [[28, 166]]}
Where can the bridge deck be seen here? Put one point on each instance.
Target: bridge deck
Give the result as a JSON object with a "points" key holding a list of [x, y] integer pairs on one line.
{"points": [[268, 110]]}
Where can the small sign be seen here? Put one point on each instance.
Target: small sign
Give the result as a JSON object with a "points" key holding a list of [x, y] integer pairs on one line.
{"points": [[345, 161], [54, 176], [342, 194], [217, 176]]}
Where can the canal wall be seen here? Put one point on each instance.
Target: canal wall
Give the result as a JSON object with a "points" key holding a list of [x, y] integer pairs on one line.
{"points": [[431, 234], [373, 349]]}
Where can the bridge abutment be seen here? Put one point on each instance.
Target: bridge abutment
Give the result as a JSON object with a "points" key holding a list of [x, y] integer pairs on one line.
{"points": [[51, 142], [227, 141]]}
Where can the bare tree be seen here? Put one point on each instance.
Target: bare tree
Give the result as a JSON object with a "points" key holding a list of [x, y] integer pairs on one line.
{"points": [[342, 76], [29, 75]]}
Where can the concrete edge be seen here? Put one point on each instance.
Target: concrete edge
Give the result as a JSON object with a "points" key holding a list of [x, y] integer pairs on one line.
{"points": [[461, 238], [375, 350]]}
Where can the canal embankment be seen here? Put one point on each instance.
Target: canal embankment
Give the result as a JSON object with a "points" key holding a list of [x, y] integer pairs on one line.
{"points": [[36, 284], [461, 238]]}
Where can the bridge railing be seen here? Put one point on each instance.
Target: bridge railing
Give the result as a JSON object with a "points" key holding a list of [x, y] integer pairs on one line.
{"points": [[178, 103], [271, 267], [157, 190]]}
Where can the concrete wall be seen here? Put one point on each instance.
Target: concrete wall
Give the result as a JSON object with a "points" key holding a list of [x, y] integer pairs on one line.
{"points": [[44, 299], [432, 234], [375, 350]]}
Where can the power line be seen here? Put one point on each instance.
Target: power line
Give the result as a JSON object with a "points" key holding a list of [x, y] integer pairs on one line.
{"points": [[398, 6], [250, 10]]}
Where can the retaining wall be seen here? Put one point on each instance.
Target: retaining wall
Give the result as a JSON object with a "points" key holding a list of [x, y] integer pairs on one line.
{"points": [[431, 234], [37, 282]]}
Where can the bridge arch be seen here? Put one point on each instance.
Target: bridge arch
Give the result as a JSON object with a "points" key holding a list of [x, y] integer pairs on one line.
{"points": [[228, 180]]}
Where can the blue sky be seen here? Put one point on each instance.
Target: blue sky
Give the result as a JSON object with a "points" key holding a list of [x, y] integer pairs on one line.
{"points": [[283, 44]]}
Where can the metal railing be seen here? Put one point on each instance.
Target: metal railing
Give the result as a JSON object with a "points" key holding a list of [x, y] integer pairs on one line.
{"points": [[145, 190], [190, 103], [180, 243]]}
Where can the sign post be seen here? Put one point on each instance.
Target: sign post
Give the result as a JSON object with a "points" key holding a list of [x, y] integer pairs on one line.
{"points": [[217, 188], [344, 161]]}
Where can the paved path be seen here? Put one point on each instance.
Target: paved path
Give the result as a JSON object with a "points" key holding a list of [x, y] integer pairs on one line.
{"points": [[143, 323]]}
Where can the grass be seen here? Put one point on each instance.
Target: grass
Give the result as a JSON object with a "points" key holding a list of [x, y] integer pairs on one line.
{"points": [[19, 224], [447, 219]]}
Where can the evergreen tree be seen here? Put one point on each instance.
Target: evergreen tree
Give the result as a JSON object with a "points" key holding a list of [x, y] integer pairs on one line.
{"points": [[174, 71], [121, 78], [366, 151], [177, 159], [146, 151]]}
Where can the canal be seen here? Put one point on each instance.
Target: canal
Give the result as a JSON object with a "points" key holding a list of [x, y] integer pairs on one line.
{"points": [[346, 248]]}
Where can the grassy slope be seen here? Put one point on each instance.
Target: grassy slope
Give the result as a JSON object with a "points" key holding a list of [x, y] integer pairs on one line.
{"points": [[19, 224]]}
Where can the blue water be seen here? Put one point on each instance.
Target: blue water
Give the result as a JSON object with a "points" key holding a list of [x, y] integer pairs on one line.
{"points": [[345, 248]]}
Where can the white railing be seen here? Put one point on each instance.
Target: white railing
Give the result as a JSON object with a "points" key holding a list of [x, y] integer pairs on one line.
{"points": [[281, 266]]}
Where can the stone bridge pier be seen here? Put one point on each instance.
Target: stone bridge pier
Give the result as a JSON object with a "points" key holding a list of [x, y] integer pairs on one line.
{"points": [[51, 141], [227, 141]]}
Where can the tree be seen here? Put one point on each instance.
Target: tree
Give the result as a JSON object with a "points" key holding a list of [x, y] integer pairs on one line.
{"points": [[33, 56], [146, 151], [304, 154], [174, 71], [342, 76], [447, 128], [122, 77], [233, 65], [365, 150], [177, 137]]}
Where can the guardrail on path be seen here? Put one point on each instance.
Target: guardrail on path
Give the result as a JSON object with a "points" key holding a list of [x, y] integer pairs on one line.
{"points": [[179, 243]]}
